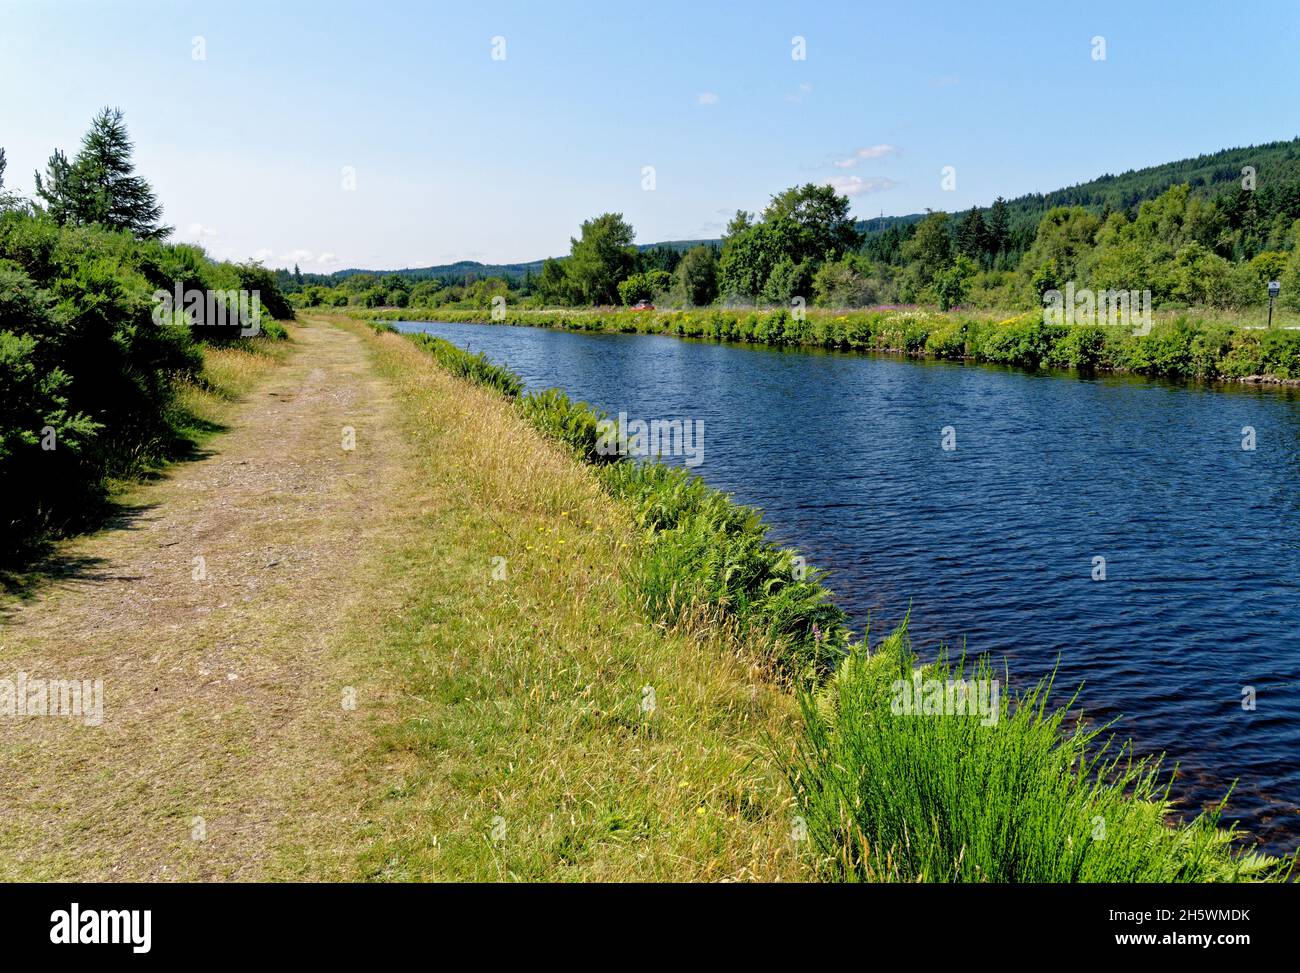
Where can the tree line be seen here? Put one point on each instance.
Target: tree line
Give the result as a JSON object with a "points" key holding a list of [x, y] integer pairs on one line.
{"points": [[1188, 247]]}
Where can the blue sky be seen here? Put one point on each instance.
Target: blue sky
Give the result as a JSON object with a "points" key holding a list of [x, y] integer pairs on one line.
{"points": [[457, 155]]}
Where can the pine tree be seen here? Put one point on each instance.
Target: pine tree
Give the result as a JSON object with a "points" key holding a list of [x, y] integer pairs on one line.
{"points": [[100, 185], [972, 235], [998, 229], [57, 188]]}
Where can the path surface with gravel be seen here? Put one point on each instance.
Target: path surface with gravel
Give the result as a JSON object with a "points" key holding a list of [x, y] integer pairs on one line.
{"points": [[208, 610]]}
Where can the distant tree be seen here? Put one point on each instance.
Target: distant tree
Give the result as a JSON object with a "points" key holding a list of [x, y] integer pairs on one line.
{"points": [[482, 292], [100, 185], [787, 281], [660, 258], [553, 284], [929, 250], [7, 199], [843, 283], [59, 190], [739, 223], [748, 257], [359, 283], [950, 284], [633, 289], [972, 235], [601, 257], [424, 294], [697, 276], [1065, 239], [644, 287], [997, 236], [255, 277], [813, 222]]}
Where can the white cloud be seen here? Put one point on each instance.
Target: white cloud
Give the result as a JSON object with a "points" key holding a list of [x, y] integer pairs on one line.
{"points": [[857, 186], [804, 89], [198, 231], [869, 152], [299, 256], [707, 98]]}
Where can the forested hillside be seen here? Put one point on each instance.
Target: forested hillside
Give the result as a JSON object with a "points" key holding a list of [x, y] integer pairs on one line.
{"points": [[1205, 232]]}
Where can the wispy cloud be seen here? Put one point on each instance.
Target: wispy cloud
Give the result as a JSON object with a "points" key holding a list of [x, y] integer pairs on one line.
{"points": [[861, 155], [857, 186], [199, 231], [299, 256], [707, 98], [804, 89]]}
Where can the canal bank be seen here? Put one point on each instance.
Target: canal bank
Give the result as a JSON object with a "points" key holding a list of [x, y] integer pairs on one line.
{"points": [[1053, 806], [1181, 346]]}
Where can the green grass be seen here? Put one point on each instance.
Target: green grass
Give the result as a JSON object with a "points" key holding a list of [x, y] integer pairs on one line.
{"points": [[531, 723], [702, 550], [892, 795]]}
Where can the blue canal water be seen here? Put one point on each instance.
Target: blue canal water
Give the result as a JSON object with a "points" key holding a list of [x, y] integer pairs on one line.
{"points": [[993, 543]]}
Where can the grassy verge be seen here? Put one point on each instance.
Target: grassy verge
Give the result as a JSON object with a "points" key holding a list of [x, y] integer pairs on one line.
{"points": [[886, 793], [529, 722], [890, 792], [1181, 346]]}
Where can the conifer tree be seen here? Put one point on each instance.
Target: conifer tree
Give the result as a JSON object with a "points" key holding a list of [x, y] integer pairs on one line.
{"points": [[100, 185]]}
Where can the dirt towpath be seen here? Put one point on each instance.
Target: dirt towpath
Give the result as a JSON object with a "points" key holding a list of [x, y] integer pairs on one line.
{"points": [[208, 611]]}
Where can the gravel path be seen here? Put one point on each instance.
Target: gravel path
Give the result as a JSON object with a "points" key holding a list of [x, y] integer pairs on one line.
{"points": [[208, 611]]}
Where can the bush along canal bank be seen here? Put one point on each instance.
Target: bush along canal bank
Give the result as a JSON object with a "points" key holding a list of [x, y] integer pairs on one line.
{"points": [[1181, 348], [898, 772]]}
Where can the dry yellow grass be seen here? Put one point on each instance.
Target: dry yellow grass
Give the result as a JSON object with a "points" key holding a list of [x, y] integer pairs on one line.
{"points": [[501, 726], [515, 733]]}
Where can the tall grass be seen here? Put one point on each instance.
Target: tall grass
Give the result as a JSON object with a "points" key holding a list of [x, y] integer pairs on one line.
{"points": [[703, 549], [892, 795]]}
